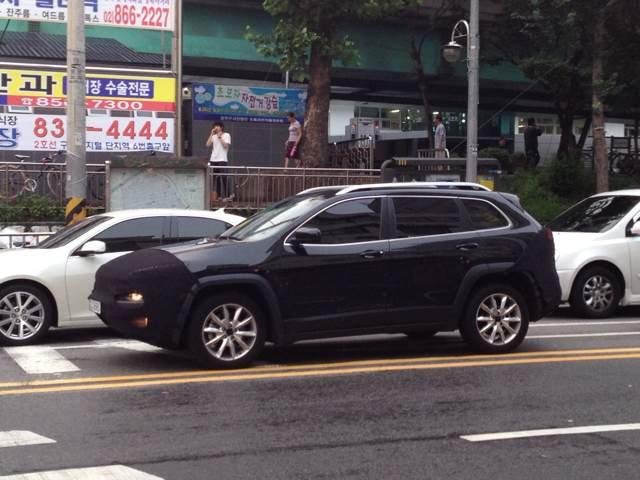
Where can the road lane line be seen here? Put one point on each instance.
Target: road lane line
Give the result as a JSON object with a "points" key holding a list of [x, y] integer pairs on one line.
{"points": [[213, 378], [311, 366], [40, 359], [582, 324], [488, 437], [583, 335], [112, 472], [20, 438]]}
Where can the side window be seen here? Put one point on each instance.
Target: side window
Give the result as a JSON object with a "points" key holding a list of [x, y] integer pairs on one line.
{"points": [[191, 228], [483, 215], [422, 216], [133, 234], [349, 222]]}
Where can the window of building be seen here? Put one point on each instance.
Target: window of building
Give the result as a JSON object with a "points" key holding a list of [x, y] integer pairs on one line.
{"points": [[548, 123]]}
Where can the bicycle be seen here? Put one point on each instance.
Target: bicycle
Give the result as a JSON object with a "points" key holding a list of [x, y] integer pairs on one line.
{"points": [[15, 180]]}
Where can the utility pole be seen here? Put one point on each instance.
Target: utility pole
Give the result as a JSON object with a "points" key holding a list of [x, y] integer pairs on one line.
{"points": [[176, 68], [473, 97], [76, 181]]}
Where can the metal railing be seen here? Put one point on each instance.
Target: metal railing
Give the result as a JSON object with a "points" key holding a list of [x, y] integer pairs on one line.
{"points": [[431, 153], [358, 153], [47, 179], [256, 187], [26, 239]]}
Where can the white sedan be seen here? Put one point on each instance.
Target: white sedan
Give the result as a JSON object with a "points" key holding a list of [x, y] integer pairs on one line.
{"points": [[598, 253], [48, 286]]}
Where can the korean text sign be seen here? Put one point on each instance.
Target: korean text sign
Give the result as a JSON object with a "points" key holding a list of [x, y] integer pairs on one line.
{"points": [[34, 132], [30, 88], [247, 104], [146, 14]]}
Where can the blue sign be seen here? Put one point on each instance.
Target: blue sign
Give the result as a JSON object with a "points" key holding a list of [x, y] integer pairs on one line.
{"points": [[247, 104]]}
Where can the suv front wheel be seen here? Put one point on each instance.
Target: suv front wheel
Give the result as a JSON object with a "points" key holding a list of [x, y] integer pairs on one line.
{"points": [[496, 319], [227, 331]]}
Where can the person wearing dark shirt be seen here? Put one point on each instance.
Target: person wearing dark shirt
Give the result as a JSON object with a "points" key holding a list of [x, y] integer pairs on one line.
{"points": [[531, 134]]}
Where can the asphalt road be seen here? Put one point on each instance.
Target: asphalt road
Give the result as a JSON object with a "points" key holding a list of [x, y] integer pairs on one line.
{"points": [[358, 408]]}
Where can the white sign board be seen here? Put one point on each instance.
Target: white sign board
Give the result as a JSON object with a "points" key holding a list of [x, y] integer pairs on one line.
{"points": [[146, 14], [33, 132]]}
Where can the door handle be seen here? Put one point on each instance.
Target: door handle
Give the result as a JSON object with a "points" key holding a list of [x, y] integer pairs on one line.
{"points": [[465, 247], [369, 254]]}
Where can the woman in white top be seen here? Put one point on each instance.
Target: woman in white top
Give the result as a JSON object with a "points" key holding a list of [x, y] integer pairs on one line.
{"points": [[291, 145]]}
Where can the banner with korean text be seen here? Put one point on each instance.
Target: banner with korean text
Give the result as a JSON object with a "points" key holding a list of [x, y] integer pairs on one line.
{"points": [[126, 112], [247, 104], [146, 14]]}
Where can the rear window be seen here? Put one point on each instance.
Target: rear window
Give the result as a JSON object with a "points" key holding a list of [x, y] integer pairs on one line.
{"points": [[595, 214], [484, 216]]}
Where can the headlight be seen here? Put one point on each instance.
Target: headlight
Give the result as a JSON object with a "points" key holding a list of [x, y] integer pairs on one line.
{"points": [[133, 297]]}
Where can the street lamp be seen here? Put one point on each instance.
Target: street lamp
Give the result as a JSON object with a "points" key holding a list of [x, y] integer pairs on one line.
{"points": [[452, 52]]}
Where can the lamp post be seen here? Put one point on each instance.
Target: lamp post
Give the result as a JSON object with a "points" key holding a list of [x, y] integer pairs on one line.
{"points": [[452, 52]]}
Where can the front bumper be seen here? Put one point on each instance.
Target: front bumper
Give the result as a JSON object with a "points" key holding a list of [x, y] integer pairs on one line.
{"points": [[163, 282]]}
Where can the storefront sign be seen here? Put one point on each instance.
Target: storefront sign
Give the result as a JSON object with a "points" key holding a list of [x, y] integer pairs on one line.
{"points": [[146, 14], [33, 132], [112, 92], [247, 104]]}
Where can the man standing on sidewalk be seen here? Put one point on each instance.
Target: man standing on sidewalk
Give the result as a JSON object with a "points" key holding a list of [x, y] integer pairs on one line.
{"points": [[440, 138], [531, 134], [291, 145], [221, 141]]}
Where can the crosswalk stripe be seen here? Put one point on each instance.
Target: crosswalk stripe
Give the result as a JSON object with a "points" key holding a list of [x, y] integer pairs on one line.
{"points": [[112, 472], [40, 359], [19, 438]]}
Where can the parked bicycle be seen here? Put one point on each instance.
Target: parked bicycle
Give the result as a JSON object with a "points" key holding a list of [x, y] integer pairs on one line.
{"points": [[17, 179]]}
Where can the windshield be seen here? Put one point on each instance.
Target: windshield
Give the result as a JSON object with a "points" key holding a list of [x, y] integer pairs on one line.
{"points": [[277, 218], [595, 215], [70, 233]]}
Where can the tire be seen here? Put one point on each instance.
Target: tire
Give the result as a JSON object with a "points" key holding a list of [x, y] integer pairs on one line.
{"points": [[229, 346], [596, 293], [421, 335], [32, 319], [496, 319]]}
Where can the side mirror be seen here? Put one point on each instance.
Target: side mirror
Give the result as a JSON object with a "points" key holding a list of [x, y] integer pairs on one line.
{"points": [[305, 235], [93, 247]]}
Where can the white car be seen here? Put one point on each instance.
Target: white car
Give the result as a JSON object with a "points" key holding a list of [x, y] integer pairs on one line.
{"points": [[49, 286], [598, 253]]}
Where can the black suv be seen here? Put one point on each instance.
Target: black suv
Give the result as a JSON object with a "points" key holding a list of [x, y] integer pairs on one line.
{"points": [[411, 258]]}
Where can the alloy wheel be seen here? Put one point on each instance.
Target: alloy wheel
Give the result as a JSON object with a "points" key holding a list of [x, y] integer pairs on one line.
{"points": [[498, 319], [229, 332], [22, 315], [598, 293]]}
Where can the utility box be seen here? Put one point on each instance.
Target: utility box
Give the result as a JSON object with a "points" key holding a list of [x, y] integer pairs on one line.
{"points": [[156, 182], [413, 169]]}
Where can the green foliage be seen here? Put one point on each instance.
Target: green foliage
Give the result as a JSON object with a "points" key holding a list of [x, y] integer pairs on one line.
{"points": [[31, 208], [303, 24], [500, 154], [566, 176]]}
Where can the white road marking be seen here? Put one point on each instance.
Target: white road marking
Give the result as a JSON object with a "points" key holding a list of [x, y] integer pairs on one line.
{"points": [[134, 345], [582, 324], [486, 437], [582, 335], [112, 472], [40, 359], [19, 438]]}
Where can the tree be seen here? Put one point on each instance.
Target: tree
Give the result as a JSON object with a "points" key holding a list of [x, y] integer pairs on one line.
{"points": [[306, 41], [550, 41]]}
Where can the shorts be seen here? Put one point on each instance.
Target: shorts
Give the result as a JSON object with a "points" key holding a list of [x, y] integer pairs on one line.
{"points": [[292, 150]]}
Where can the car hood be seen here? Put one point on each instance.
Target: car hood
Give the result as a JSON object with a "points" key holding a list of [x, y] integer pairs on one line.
{"points": [[22, 259], [570, 241]]}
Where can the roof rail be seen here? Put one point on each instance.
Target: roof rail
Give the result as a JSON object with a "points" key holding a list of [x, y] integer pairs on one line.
{"points": [[410, 185]]}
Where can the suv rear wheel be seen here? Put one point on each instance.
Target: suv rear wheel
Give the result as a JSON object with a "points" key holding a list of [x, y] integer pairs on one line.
{"points": [[596, 293], [227, 331], [496, 319]]}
